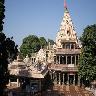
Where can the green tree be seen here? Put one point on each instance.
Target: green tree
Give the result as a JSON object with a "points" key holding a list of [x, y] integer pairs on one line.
{"points": [[87, 67], [43, 41], [51, 41], [2, 9], [31, 44], [8, 51]]}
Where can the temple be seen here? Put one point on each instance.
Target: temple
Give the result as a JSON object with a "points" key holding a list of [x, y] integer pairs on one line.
{"points": [[64, 69], [60, 60]]}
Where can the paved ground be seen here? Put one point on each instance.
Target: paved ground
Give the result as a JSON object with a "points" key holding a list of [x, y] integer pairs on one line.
{"points": [[62, 90], [67, 91]]}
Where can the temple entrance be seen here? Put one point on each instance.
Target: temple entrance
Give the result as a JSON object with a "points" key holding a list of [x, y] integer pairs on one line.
{"points": [[71, 79]]}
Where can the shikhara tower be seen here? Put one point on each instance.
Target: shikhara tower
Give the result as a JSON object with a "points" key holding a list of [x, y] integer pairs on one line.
{"points": [[66, 31], [64, 70]]}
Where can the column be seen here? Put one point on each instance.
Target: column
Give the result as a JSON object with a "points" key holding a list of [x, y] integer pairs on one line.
{"points": [[17, 82], [56, 78], [70, 46], [75, 60], [78, 59], [74, 46], [71, 59], [56, 59], [63, 77], [78, 80], [53, 75], [59, 79], [66, 60], [68, 79], [59, 59], [9, 82], [74, 79]]}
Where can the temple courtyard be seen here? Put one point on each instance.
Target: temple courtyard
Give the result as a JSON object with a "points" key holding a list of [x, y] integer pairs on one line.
{"points": [[56, 90]]}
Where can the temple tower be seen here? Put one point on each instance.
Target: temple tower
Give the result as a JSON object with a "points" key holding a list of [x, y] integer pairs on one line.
{"points": [[66, 32], [67, 51]]}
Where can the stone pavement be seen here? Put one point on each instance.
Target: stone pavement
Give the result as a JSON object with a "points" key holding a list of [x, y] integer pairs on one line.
{"points": [[67, 91]]}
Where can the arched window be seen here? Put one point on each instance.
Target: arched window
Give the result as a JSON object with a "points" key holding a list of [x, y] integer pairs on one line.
{"points": [[68, 32], [68, 46]]}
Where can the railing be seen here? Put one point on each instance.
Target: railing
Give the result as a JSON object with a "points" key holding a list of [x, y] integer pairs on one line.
{"points": [[60, 67], [68, 51]]}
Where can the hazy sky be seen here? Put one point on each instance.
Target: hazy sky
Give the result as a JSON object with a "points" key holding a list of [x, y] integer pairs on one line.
{"points": [[43, 17]]}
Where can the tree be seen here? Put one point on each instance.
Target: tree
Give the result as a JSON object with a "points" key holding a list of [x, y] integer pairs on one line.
{"points": [[51, 41], [87, 67], [2, 9], [31, 44], [8, 51], [43, 41]]}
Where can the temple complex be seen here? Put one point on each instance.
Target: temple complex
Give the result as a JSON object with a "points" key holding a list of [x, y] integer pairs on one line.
{"points": [[60, 60]]}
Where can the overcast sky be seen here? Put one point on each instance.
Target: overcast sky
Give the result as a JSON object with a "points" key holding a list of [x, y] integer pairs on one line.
{"points": [[43, 17]]}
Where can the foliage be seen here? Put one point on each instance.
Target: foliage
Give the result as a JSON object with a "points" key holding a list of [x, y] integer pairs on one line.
{"points": [[8, 51], [2, 9], [51, 41], [87, 68], [31, 44], [43, 41]]}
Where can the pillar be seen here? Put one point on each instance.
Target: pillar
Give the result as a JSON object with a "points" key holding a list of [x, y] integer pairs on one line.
{"points": [[71, 59], [17, 82], [63, 78], [68, 79], [56, 59], [75, 59], [74, 79], [53, 75], [78, 80], [56, 78], [59, 59], [66, 60], [74, 46], [9, 82], [78, 59], [70, 46], [59, 79]]}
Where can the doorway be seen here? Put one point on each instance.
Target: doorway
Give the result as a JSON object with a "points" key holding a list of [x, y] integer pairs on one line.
{"points": [[71, 79]]}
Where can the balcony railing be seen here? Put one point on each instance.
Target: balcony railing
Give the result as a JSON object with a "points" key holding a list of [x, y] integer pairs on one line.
{"points": [[60, 67], [68, 51]]}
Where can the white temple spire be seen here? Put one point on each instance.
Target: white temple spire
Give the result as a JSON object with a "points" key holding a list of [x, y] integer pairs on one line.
{"points": [[66, 31]]}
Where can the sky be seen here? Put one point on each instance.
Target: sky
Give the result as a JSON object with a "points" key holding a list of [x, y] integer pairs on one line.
{"points": [[43, 17]]}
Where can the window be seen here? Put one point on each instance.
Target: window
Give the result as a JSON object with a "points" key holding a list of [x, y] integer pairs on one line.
{"points": [[72, 46], [68, 32], [67, 46]]}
